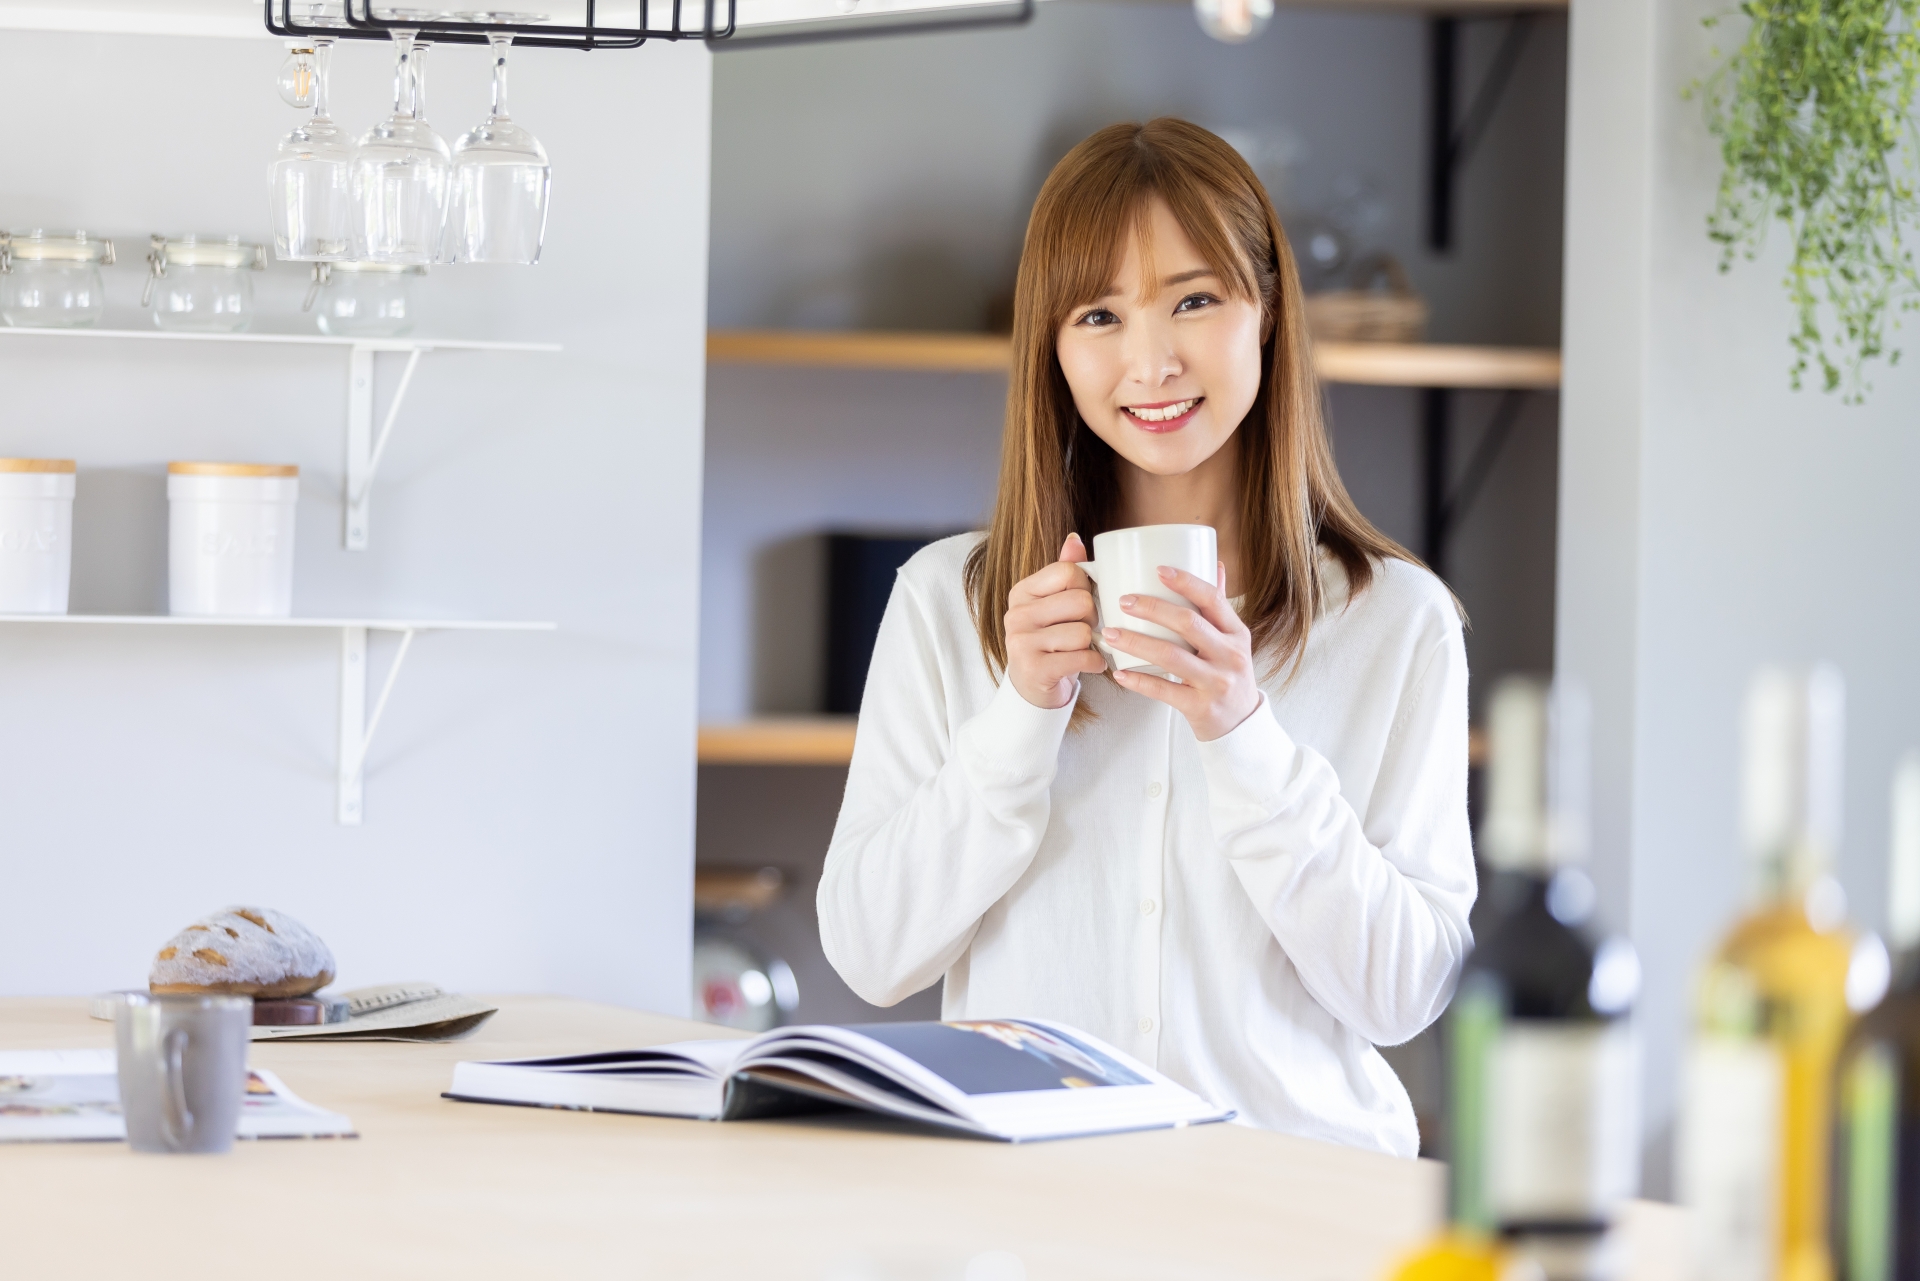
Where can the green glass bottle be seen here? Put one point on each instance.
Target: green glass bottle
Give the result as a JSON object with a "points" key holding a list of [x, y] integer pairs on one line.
{"points": [[1544, 1141]]}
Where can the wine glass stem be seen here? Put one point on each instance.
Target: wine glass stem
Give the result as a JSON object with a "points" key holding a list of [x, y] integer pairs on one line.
{"points": [[403, 90], [322, 58], [501, 43], [420, 48]]}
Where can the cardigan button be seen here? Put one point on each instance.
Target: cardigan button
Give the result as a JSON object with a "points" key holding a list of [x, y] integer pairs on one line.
{"points": [[1153, 789], [1146, 1025]]}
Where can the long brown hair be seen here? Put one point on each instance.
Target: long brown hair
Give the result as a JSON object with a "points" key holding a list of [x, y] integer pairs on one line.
{"points": [[1058, 477]]}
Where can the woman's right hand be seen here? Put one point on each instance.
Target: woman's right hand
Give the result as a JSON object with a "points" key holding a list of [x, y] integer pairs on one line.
{"points": [[1050, 630]]}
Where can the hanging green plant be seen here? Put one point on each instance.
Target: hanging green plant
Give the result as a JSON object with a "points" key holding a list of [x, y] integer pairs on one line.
{"points": [[1813, 112]]}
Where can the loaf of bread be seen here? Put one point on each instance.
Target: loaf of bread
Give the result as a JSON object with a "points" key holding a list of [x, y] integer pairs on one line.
{"points": [[243, 951]]}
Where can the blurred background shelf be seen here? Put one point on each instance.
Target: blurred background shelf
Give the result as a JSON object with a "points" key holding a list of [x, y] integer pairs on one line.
{"points": [[1375, 364], [780, 740]]}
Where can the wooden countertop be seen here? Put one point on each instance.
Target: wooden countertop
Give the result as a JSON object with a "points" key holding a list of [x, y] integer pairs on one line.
{"points": [[434, 1188]]}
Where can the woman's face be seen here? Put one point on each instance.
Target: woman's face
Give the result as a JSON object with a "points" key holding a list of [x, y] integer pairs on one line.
{"points": [[1163, 370]]}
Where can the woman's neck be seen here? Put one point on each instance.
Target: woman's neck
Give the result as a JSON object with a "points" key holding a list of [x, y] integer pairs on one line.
{"points": [[1207, 495]]}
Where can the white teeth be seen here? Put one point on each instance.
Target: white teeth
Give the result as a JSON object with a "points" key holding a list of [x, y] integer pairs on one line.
{"points": [[1163, 414]]}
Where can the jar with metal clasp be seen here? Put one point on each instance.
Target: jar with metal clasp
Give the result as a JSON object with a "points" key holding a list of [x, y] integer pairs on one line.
{"points": [[51, 279], [201, 283], [364, 299]]}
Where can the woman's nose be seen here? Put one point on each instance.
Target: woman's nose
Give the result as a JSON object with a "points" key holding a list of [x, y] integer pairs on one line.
{"points": [[1150, 354]]}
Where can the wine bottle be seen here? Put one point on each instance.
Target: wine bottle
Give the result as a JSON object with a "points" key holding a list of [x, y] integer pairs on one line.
{"points": [[1876, 1211], [1542, 1135], [1771, 1007]]}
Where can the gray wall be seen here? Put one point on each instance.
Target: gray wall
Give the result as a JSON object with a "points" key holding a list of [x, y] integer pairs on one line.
{"points": [[1711, 519], [529, 798]]}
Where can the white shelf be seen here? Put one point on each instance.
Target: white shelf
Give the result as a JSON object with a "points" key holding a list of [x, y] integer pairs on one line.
{"points": [[364, 448], [370, 624], [356, 726], [407, 343]]}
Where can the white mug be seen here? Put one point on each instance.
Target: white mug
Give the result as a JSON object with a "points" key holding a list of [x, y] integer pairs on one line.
{"points": [[1126, 562]]}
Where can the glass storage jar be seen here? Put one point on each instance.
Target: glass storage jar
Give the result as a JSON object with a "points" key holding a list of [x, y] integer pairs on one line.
{"points": [[365, 299], [200, 283], [51, 279]]}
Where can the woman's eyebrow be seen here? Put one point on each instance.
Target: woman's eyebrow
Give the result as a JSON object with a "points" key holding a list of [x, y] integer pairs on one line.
{"points": [[1197, 273]]}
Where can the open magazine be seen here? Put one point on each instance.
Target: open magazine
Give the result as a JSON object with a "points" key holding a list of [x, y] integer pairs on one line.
{"points": [[60, 1095], [1011, 1079]]}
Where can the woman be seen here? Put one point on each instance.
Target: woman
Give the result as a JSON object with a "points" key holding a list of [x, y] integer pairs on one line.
{"points": [[1248, 878]]}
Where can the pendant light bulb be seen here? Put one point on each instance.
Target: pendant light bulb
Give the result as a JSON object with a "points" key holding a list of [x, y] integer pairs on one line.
{"points": [[296, 79], [1233, 21]]}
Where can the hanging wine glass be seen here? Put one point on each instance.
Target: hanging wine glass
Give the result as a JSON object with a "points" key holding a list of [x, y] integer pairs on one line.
{"points": [[498, 209], [400, 170], [309, 183]]}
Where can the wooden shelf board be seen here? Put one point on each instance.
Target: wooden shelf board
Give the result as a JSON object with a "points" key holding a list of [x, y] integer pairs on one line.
{"points": [[828, 740], [1376, 364], [782, 740], [1381, 364], [840, 349]]}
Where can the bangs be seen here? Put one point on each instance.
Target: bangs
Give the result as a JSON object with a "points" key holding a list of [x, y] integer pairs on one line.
{"points": [[1089, 243]]}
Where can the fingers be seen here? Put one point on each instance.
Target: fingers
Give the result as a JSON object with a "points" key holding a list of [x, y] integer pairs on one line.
{"points": [[1056, 639], [1158, 688], [1165, 655], [1073, 551], [1050, 669], [1178, 619], [1061, 576], [1209, 599], [1074, 606]]}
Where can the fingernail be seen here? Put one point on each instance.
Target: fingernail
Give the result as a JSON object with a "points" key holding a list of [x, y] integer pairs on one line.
{"points": [[1110, 633], [1168, 571], [1128, 602]]}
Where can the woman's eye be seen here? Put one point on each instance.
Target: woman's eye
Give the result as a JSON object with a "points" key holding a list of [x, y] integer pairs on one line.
{"points": [[1098, 318], [1194, 302]]}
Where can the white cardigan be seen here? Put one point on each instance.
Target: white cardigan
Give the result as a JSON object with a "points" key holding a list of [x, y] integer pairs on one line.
{"points": [[1250, 916]]}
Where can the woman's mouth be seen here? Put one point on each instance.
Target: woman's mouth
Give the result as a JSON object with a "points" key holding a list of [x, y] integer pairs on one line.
{"points": [[1168, 415]]}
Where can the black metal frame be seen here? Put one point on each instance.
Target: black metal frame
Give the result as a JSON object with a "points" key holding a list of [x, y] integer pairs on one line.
{"points": [[852, 29], [1444, 503], [362, 25], [1450, 144]]}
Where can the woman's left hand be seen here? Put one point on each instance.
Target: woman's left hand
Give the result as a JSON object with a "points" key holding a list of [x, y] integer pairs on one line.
{"points": [[1216, 690]]}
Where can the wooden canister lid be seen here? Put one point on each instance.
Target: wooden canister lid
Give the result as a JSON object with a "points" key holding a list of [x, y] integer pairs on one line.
{"points": [[62, 466], [232, 469]]}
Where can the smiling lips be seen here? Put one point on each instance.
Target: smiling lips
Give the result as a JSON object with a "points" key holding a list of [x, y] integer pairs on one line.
{"points": [[1170, 415]]}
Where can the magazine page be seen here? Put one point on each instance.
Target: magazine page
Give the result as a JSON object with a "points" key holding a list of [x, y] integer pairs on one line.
{"points": [[709, 1060], [74, 1095], [53, 1095], [1017, 1078], [833, 1079]]}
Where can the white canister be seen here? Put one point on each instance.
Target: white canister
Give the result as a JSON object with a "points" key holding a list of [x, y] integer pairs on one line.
{"points": [[230, 539], [36, 534]]}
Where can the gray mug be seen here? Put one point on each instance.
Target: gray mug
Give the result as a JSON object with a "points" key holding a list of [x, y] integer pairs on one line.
{"points": [[183, 1069]]}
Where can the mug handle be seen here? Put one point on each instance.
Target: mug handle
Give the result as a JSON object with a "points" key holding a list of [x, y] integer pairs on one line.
{"points": [[1092, 569], [176, 1119]]}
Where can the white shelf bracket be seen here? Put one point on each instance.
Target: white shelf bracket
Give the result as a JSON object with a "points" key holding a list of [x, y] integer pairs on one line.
{"points": [[356, 727], [364, 449]]}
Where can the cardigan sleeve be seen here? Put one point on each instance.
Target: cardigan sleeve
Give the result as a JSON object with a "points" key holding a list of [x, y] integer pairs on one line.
{"points": [[937, 822], [1371, 910]]}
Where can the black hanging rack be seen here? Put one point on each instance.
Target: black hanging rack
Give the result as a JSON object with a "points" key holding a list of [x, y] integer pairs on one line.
{"points": [[681, 20]]}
